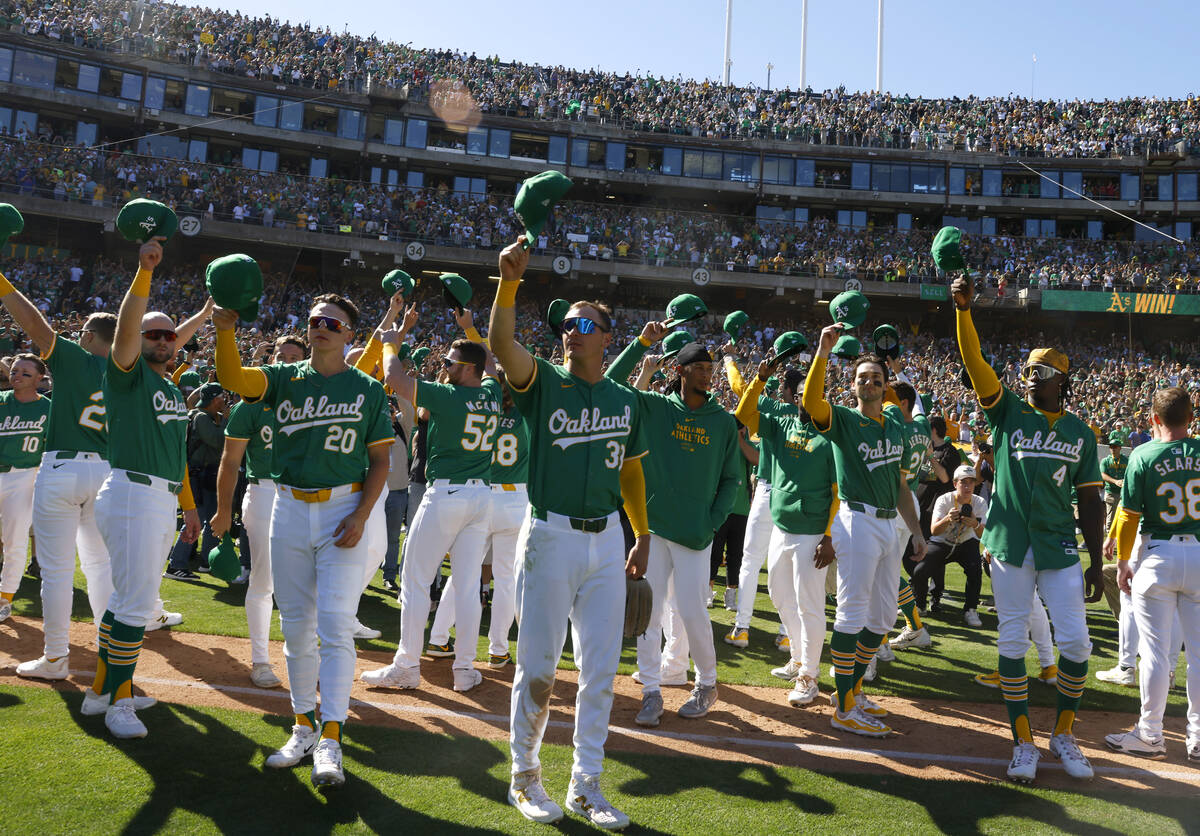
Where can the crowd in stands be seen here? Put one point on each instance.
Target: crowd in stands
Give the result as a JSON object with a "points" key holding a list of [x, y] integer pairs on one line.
{"points": [[298, 54]]}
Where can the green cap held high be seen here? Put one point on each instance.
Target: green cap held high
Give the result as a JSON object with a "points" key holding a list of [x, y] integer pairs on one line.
{"points": [[140, 220], [849, 308], [734, 323], [789, 343], [555, 315], [398, 280], [847, 347], [11, 222], [456, 290], [674, 342], [947, 249], [536, 198], [235, 282], [684, 308]]}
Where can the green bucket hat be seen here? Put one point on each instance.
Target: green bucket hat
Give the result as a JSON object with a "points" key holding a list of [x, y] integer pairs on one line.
{"points": [[734, 323], [536, 198], [223, 560], [419, 355], [789, 343], [887, 341], [684, 308], [235, 282], [398, 280], [946, 249], [11, 222], [849, 308], [555, 315], [674, 342], [140, 220], [847, 347], [455, 290]]}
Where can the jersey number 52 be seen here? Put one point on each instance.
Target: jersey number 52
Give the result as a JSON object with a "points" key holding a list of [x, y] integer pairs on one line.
{"points": [[479, 430]]}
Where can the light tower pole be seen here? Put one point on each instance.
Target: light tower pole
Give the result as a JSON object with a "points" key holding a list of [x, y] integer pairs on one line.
{"points": [[728, 40], [879, 51], [803, 40]]}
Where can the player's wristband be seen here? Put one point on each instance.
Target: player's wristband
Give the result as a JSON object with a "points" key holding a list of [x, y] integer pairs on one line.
{"points": [[141, 282], [5, 285], [388, 348], [506, 293], [645, 342]]}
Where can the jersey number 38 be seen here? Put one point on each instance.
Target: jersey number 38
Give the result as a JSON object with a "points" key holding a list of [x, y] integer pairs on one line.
{"points": [[1181, 501]]}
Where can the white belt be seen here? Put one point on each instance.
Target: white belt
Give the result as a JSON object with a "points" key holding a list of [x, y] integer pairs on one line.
{"points": [[467, 483]]}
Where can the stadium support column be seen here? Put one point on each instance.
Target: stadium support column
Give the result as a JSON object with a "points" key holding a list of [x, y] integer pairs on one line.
{"points": [[879, 51], [803, 41], [728, 41]]}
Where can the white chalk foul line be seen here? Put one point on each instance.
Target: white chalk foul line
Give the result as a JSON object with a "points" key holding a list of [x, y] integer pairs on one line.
{"points": [[711, 741]]}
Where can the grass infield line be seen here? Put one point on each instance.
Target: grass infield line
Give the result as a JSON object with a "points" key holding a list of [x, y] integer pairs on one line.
{"points": [[703, 739]]}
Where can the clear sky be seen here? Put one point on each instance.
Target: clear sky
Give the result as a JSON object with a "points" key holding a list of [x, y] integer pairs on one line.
{"points": [[1098, 49]]}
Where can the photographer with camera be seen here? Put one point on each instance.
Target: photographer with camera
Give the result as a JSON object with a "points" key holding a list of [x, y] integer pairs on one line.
{"points": [[958, 520]]}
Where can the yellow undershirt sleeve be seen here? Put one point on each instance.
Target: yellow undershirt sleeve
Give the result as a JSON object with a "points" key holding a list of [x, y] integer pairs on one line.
{"points": [[814, 394], [633, 492], [371, 357], [983, 377], [186, 501], [5, 285], [179, 370], [247, 382], [833, 509], [1126, 525], [736, 383], [747, 408]]}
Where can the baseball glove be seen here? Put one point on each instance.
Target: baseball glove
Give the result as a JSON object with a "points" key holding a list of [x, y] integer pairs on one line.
{"points": [[638, 599]]}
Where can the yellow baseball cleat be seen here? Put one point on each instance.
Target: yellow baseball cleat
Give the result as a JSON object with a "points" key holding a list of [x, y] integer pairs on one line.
{"points": [[1049, 675], [988, 680], [738, 638]]}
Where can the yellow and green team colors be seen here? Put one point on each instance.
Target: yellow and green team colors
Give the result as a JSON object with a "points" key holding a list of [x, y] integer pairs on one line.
{"points": [[77, 416], [463, 421], [581, 435], [323, 425], [1162, 484], [1038, 462], [802, 487], [917, 440], [1114, 467], [766, 455], [510, 457], [254, 423], [152, 421], [22, 430], [868, 454]]}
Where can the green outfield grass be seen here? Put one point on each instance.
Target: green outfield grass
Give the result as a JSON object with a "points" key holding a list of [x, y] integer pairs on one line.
{"points": [[201, 771]]}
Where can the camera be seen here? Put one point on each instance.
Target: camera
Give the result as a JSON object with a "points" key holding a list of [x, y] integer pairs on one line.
{"points": [[967, 511]]}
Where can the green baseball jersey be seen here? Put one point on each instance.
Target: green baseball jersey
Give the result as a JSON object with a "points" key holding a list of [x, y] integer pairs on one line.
{"points": [[462, 429], [802, 491], [1037, 465], [149, 418], [580, 434], [917, 443], [766, 456], [1116, 469], [510, 457], [77, 414], [254, 423], [1163, 485], [868, 455], [324, 425], [22, 430]]}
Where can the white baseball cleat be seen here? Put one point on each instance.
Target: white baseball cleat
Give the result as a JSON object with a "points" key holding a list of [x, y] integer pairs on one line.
{"points": [[789, 671], [884, 653], [1064, 747], [43, 668], [664, 678], [703, 698], [327, 764], [911, 638], [122, 720], [803, 692], [164, 619], [1132, 743], [5, 609], [1023, 766], [1119, 676], [362, 631], [466, 679], [1193, 748], [871, 671], [298, 747], [651, 711], [527, 794], [971, 618], [95, 704], [393, 677], [585, 798], [263, 676]]}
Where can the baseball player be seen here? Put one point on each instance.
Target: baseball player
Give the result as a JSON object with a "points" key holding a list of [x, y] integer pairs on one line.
{"points": [[697, 466], [23, 417], [455, 513], [586, 447], [872, 490], [250, 436], [1161, 493], [135, 509], [1042, 451], [330, 446]]}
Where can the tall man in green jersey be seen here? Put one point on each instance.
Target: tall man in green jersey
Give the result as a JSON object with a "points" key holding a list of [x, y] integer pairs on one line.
{"points": [[135, 509], [696, 466], [1161, 491], [332, 432], [1042, 453], [586, 443]]}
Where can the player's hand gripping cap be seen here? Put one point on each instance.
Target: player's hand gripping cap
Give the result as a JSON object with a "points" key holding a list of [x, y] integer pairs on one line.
{"points": [[536, 198], [419, 355], [849, 308], [789, 343], [887, 341], [684, 308], [555, 314], [638, 598], [398, 280], [734, 323], [674, 342], [847, 347], [455, 290], [235, 282], [140, 220], [11, 222], [946, 249], [223, 560]]}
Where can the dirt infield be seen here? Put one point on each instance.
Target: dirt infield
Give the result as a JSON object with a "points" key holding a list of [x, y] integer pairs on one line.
{"points": [[952, 740]]}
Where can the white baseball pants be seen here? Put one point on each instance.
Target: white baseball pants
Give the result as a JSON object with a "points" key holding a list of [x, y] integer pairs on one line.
{"points": [[454, 519], [797, 589], [257, 503], [1014, 587], [567, 575], [676, 652], [375, 533], [759, 526], [16, 516], [137, 523], [868, 571], [681, 573], [317, 587], [1128, 637], [1039, 631]]}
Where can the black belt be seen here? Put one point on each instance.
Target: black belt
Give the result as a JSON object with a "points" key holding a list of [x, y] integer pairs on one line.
{"points": [[590, 525], [880, 513]]}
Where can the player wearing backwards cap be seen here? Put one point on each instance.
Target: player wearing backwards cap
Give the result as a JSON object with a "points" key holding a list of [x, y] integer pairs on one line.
{"points": [[872, 489], [330, 446], [697, 466], [1161, 493], [23, 417], [1042, 452], [802, 506], [135, 509], [250, 436], [455, 513], [586, 443]]}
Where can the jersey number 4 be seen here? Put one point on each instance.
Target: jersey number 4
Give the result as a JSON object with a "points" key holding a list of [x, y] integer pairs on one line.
{"points": [[1181, 501]]}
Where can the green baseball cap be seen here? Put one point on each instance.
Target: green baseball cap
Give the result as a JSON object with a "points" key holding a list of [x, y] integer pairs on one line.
{"points": [[674, 342], [849, 308], [684, 308], [11, 222], [555, 314], [772, 384], [403, 351], [946, 249], [789, 343], [847, 347], [455, 290], [887, 341], [140, 220], [419, 355], [235, 282], [223, 560], [398, 280], [734, 323], [536, 198]]}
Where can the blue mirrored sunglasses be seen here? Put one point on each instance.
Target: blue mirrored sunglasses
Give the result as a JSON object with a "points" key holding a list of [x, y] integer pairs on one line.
{"points": [[582, 324]]}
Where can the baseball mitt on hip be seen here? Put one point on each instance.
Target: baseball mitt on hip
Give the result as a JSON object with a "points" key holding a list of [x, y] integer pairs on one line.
{"points": [[638, 599]]}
